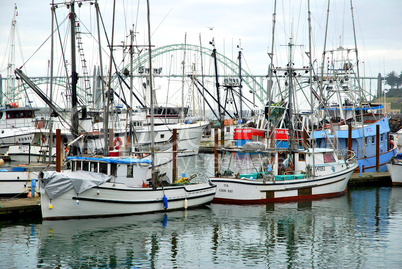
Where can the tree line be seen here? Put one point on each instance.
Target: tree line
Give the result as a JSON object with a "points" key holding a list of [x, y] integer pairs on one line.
{"points": [[393, 80]]}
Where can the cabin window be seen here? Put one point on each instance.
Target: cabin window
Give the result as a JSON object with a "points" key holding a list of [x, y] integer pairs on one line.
{"points": [[162, 136], [30, 114], [85, 165], [130, 170], [103, 168], [113, 169], [329, 158], [94, 167], [228, 129], [367, 140], [23, 115], [9, 115], [302, 157], [373, 139], [382, 137]]}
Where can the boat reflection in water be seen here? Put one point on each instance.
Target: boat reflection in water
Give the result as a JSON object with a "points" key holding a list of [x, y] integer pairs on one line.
{"points": [[359, 229]]}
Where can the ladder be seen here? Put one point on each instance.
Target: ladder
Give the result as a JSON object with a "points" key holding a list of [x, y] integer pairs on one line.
{"points": [[87, 94]]}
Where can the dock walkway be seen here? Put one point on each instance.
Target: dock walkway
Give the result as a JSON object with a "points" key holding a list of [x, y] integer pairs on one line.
{"points": [[19, 208]]}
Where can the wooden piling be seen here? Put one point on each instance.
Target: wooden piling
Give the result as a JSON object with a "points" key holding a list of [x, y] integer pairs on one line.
{"points": [[377, 149], [58, 150], [216, 166], [174, 172]]}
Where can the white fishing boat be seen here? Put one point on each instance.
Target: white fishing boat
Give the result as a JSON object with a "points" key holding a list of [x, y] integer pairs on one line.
{"points": [[299, 172], [112, 186], [100, 186], [395, 169], [17, 180], [315, 174]]}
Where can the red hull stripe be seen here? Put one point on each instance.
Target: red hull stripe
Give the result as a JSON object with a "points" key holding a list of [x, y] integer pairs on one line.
{"points": [[281, 199]]}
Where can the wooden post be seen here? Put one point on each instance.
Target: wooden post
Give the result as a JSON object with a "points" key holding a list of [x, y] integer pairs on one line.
{"points": [[111, 141], [222, 133], [349, 138], [377, 149], [216, 151], [58, 150], [174, 172]]}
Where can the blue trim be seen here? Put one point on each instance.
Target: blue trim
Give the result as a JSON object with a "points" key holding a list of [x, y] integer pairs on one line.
{"points": [[111, 160]]}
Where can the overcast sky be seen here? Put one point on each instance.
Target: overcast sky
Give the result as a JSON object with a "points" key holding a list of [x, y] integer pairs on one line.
{"points": [[378, 28]]}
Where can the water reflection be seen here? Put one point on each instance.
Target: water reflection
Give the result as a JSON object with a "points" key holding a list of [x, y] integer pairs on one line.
{"points": [[334, 232], [358, 230]]}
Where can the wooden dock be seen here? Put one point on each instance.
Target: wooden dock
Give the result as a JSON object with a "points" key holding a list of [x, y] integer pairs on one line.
{"points": [[20, 208], [377, 179]]}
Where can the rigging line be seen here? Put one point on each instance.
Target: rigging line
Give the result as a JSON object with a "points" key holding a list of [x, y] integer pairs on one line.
{"points": [[39, 47], [161, 22], [112, 57], [168, 86], [62, 51]]}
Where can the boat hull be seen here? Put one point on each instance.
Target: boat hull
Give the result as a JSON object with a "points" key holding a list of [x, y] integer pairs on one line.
{"points": [[16, 183], [112, 199], [245, 191], [395, 171]]}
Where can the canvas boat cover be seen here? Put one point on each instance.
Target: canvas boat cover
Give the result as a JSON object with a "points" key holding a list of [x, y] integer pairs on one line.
{"points": [[57, 183]]}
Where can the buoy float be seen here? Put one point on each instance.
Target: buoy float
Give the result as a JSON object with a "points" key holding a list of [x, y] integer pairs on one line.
{"points": [[144, 185], [165, 202], [117, 142], [50, 206], [1, 162]]}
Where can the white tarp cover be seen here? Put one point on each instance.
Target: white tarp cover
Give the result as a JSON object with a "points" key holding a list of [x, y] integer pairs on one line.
{"points": [[57, 183]]}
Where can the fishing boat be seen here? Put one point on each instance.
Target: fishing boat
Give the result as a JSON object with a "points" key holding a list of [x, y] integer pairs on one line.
{"points": [[17, 180], [395, 169], [290, 174], [100, 186], [348, 119], [112, 186]]}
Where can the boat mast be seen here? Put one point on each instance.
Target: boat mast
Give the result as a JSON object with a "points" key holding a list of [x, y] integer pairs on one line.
{"points": [[105, 131], [109, 90], [182, 80], [240, 85], [202, 78], [51, 83], [10, 91], [74, 80], [358, 78], [321, 84], [311, 87], [270, 72], [152, 97]]}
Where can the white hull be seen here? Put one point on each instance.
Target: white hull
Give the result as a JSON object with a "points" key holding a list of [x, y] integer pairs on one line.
{"points": [[119, 199], [242, 191], [16, 183], [395, 171], [29, 153]]}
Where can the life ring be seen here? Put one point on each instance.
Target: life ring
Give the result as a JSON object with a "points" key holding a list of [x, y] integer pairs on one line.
{"points": [[117, 142]]}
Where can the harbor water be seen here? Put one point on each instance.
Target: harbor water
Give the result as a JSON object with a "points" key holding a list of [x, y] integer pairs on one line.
{"points": [[361, 229]]}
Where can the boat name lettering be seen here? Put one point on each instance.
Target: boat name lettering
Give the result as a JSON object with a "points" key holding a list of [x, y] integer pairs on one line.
{"points": [[319, 168]]}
